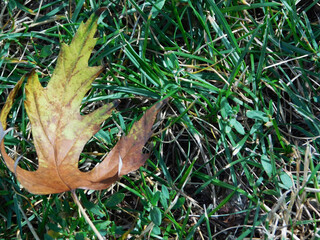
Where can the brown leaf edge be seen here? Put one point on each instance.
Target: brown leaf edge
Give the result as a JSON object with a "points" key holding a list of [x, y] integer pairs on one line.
{"points": [[3, 122]]}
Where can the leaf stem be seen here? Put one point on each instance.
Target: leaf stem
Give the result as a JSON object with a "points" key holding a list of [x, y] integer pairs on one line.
{"points": [[82, 210]]}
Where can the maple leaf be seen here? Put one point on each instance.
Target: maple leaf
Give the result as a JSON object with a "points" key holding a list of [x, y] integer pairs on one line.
{"points": [[60, 132]]}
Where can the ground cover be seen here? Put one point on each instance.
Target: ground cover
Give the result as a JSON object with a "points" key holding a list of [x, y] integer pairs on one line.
{"points": [[234, 153]]}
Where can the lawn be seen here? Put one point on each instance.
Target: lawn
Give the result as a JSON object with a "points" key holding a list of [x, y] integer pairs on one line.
{"points": [[235, 148]]}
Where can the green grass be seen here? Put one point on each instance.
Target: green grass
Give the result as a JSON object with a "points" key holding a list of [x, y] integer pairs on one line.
{"points": [[235, 151]]}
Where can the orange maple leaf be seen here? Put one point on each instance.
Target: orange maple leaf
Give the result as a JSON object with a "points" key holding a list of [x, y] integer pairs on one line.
{"points": [[60, 132]]}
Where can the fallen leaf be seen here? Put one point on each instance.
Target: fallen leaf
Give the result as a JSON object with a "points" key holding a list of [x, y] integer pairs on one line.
{"points": [[60, 131]]}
